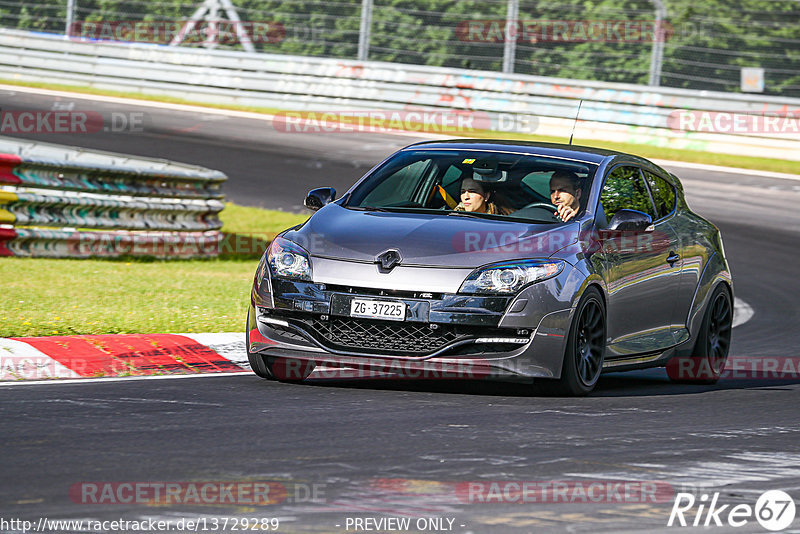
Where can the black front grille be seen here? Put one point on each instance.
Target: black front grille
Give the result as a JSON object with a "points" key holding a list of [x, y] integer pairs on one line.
{"points": [[381, 336], [390, 338]]}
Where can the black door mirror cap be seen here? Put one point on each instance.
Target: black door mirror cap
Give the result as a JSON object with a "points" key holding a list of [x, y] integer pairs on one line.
{"points": [[630, 221], [317, 198]]}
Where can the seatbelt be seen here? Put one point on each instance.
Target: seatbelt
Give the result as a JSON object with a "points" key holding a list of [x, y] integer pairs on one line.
{"points": [[447, 198]]}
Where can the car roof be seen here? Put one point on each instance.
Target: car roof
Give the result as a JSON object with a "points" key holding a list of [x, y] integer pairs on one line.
{"points": [[584, 153]]}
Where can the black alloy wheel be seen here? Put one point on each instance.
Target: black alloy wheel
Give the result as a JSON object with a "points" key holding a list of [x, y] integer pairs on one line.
{"points": [[713, 342], [586, 347]]}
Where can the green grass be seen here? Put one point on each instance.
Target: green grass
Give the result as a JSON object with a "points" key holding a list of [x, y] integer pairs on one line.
{"points": [[643, 149], [255, 221], [43, 297]]}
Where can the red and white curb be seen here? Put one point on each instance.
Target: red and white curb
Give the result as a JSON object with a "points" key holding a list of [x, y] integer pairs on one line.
{"points": [[146, 355], [123, 355]]}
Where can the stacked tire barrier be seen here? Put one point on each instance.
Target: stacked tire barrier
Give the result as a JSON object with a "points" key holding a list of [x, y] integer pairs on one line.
{"points": [[512, 102], [67, 202]]}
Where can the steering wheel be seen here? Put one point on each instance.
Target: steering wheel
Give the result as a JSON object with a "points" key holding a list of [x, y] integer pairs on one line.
{"points": [[539, 205], [543, 205]]}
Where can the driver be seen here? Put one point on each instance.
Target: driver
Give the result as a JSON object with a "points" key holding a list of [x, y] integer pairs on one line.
{"points": [[477, 197], [565, 194]]}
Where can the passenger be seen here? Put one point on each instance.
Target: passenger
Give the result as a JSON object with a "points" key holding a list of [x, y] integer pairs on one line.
{"points": [[565, 194], [478, 197]]}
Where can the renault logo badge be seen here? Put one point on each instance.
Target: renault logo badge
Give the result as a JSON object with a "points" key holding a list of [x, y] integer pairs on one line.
{"points": [[388, 260]]}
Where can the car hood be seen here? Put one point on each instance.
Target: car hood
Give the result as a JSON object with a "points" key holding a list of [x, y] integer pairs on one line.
{"points": [[427, 239]]}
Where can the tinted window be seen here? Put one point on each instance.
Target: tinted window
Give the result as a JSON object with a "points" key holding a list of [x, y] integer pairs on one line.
{"points": [[540, 183], [624, 189], [663, 194], [400, 186]]}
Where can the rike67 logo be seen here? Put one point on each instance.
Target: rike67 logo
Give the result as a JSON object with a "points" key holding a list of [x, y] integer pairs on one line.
{"points": [[774, 510]]}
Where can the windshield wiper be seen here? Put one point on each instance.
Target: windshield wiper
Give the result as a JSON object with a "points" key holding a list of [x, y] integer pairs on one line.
{"points": [[365, 208], [398, 209], [491, 216]]}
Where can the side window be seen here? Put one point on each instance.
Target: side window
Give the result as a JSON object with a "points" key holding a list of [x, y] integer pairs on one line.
{"points": [[399, 186], [663, 194], [624, 189], [451, 181], [539, 182]]}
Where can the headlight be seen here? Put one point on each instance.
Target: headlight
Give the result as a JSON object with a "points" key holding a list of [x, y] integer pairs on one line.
{"points": [[288, 260], [509, 277]]}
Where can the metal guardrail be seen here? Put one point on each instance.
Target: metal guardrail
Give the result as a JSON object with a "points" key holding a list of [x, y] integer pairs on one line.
{"points": [[154, 207], [545, 106]]}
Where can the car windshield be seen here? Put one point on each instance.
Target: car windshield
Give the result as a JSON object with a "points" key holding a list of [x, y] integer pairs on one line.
{"points": [[511, 186]]}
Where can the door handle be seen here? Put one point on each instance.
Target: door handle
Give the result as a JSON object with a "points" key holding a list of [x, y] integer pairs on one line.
{"points": [[672, 258]]}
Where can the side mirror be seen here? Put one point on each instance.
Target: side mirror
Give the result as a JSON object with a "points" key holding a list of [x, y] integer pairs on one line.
{"points": [[630, 221], [317, 198]]}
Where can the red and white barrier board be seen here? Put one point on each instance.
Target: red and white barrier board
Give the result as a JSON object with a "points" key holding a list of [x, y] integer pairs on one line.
{"points": [[95, 356]]}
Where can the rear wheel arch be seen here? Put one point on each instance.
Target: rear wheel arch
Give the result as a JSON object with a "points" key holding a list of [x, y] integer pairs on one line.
{"points": [[704, 361]]}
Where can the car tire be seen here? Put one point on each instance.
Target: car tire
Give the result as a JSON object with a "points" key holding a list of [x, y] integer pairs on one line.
{"points": [[259, 366], [258, 362], [273, 368], [586, 347], [713, 342]]}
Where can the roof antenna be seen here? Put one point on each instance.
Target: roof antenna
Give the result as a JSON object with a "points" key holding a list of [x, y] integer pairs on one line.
{"points": [[576, 121]]}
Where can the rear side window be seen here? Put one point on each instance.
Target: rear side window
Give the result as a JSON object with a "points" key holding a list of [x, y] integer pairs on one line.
{"points": [[625, 190], [663, 194]]}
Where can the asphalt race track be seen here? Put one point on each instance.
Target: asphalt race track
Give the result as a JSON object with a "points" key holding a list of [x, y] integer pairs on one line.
{"points": [[447, 453]]}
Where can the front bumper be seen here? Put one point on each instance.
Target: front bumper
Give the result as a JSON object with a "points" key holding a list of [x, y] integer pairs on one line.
{"points": [[503, 337]]}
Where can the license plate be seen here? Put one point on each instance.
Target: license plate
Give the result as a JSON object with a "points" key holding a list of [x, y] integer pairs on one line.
{"points": [[378, 309]]}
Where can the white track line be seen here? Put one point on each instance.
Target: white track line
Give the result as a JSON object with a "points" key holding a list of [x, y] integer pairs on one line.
{"points": [[742, 312], [719, 168]]}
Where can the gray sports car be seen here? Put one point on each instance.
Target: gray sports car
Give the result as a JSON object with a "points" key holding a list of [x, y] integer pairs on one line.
{"points": [[496, 259]]}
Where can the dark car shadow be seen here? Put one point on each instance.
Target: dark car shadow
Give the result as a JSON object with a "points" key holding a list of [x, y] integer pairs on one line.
{"points": [[646, 382]]}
